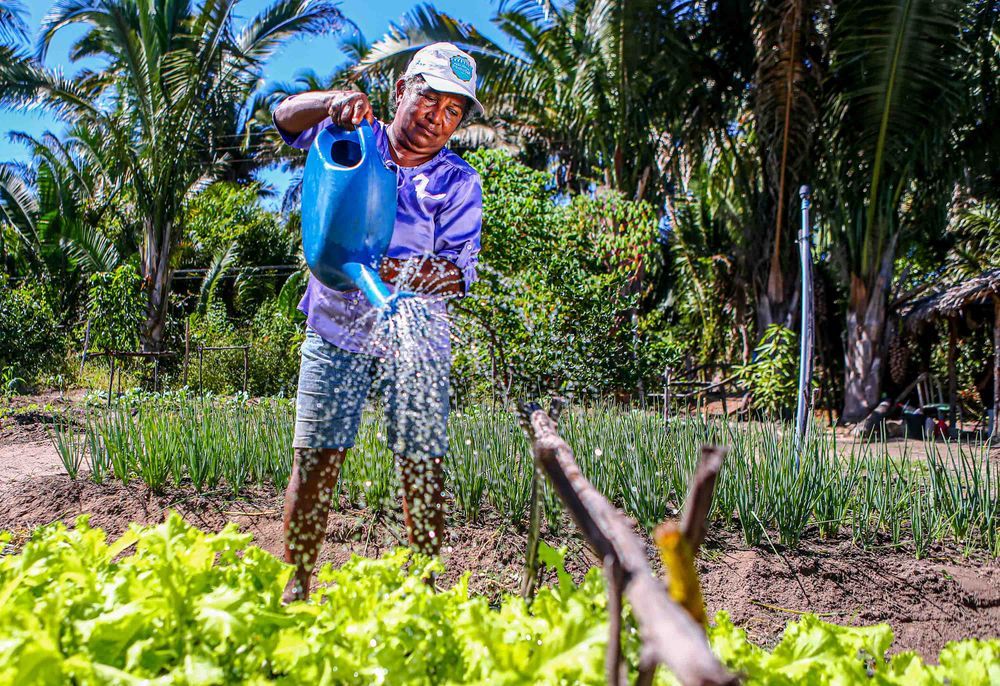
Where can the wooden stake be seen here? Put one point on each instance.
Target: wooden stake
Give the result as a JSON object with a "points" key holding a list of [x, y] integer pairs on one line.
{"points": [[111, 381], [534, 528], [86, 344], [530, 579]]}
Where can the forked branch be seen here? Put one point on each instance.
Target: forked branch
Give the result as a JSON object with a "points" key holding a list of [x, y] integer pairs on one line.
{"points": [[669, 635]]}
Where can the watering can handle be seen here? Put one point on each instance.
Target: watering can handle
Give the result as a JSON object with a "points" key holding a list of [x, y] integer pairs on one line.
{"points": [[367, 140]]}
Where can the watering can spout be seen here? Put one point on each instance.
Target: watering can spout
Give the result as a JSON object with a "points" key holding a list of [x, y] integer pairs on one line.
{"points": [[373, 288], [349, 211]]}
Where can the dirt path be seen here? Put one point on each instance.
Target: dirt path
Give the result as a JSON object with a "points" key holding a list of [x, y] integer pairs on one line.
{"points": [[28, 460]]}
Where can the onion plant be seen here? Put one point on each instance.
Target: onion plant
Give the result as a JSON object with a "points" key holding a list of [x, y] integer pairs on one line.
{"points": [[466, 467], [159, 448], [68, 442], [97, 456], [369, 470], [769, 482]]}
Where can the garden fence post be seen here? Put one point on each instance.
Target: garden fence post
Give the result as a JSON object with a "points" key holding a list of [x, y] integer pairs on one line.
{"points": [[111, 381], [86, 344], [952, 376], [666, 395], [493, 377], [806, 324], [187, 348], [996, 368]]}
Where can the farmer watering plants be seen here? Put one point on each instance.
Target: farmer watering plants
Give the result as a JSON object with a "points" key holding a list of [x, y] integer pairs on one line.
{"points": [[431, 256]]}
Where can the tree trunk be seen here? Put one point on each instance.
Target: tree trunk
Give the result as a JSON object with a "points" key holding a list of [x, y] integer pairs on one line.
{"points": [[156, 277], [866, 316]]}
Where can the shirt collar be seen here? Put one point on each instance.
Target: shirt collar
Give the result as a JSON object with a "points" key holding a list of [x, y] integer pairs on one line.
{"points": [[384, 145]]}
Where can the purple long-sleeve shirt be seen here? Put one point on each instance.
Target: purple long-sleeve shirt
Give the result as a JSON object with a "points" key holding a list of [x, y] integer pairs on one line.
{"points": [[439, 213]]}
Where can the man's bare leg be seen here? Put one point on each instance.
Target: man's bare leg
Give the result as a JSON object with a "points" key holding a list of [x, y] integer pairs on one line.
{"points": [[307, 506], [423, 502]]}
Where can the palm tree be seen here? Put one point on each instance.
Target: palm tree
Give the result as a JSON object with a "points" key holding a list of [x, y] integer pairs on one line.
{"points": [[789, 55], [175, 70], [52, 208], [618, 92], [586, 84], [272, 149], [706, 216], [896, 69], [15, 196]]}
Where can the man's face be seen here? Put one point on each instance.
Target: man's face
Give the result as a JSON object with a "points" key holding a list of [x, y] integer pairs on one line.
{"points": [[427, 118]]}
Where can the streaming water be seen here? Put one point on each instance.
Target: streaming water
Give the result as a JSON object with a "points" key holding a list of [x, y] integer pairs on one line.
{"points": [[414, 377]]}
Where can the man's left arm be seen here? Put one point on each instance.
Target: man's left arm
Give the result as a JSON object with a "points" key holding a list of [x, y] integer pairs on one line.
{"points": [[435, 276]]}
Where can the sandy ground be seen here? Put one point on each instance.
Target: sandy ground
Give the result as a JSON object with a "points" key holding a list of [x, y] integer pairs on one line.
{"points": [[927, 602]]}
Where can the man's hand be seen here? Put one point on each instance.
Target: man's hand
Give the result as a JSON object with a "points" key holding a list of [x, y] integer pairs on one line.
{"points": [[433, 276], [297, 113], [348, 108]]}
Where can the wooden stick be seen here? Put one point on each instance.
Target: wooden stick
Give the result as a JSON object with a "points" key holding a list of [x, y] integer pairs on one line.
{"points": [[669, 635], [699, 500], [952, 376], [534, 528], [614, 667], [529, 582]]}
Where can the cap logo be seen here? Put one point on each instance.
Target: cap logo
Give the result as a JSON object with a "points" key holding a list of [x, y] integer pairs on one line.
{"points": [[461, 67]]}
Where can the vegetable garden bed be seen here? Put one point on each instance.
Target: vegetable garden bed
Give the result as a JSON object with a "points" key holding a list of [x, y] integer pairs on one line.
{"points": [[952, 592], [174, 605]]}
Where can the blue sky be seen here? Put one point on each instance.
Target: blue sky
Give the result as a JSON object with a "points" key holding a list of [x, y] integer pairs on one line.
{"points": [[320, 53]]}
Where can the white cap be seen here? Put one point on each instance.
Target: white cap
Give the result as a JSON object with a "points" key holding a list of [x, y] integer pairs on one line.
{"points": [[447, 69]]}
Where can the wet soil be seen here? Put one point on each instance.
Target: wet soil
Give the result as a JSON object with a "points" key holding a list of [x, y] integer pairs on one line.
{"points": [[928, 602]]}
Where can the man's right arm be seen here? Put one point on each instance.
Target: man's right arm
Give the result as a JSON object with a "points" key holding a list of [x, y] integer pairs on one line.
{"points": [[299, 112]]}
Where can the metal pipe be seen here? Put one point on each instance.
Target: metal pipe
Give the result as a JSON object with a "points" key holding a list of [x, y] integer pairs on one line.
{"points": [[807, 324]]}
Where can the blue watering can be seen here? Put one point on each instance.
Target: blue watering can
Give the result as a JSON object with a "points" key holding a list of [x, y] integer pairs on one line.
{"points": [[348, 213]]}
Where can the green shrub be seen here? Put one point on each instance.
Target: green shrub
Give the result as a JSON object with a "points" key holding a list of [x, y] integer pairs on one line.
{"points": [[273, 358], [31, 342], [558, 301], [276, 339], [115, 308], [228, 216], [226, 213], [773, 375]]}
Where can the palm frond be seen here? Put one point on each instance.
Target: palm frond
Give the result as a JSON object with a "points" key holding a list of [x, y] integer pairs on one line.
{"points": [[92, 250], [421, 26], [285, 19], [18, 201], [12, 25], [25, 84], [895, 72], [222, 261], [789, 55]]}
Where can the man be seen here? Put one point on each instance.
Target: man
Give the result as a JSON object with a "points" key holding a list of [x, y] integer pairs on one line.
{"points": [[433, 252]]}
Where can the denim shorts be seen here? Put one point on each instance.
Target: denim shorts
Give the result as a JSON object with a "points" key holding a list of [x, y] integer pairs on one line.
{"points": [[334, 385]]}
